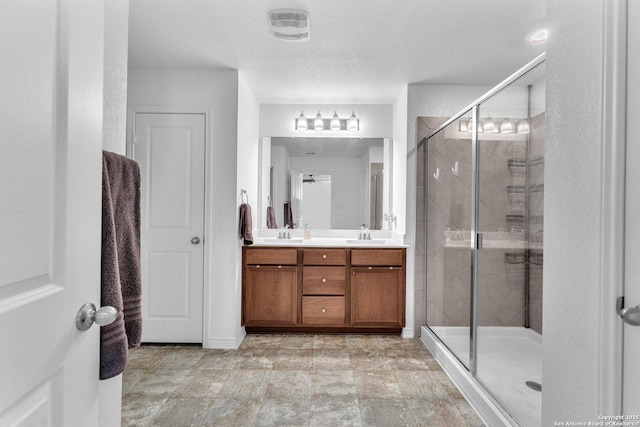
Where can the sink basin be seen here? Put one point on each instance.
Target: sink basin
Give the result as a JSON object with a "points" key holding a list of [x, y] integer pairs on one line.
{"points": [[365, 242], [275, 241]]}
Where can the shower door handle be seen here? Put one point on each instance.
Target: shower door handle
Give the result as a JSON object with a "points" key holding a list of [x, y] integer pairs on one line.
{"points": [[630, 315]]}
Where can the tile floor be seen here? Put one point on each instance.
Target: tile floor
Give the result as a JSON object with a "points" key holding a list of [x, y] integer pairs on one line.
{"points": [[292, 380]]}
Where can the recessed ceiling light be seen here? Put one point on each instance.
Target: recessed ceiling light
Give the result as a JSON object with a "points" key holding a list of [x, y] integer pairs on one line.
{"points": [[538, 36]]}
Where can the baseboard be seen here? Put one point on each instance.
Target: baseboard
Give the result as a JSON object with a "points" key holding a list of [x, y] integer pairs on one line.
{"points": [[226, 343], [408, 333], [485, 406]]}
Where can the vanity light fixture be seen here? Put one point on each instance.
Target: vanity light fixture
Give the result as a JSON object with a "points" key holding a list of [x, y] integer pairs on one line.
{"points": [[354, 123], [301, 122], [523, 127], [506, 126], [318, 123], [489, 126], [335, 121]]}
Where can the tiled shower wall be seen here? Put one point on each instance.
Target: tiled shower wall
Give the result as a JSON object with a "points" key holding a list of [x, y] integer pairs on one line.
{"points": [[501, 285]]}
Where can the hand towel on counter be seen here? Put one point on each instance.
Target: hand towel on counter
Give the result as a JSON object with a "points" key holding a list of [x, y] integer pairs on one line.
{"points": [[271, 218], [245, 230], [121, 273]]}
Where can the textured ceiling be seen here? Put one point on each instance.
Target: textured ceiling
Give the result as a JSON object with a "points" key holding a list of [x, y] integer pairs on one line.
{"points": [[360, 51]]}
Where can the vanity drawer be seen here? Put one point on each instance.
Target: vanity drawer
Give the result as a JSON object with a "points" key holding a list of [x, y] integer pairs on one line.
{"points": [[324, 257], [323, 280], [323, 310], [367, 257], [271, 256]]}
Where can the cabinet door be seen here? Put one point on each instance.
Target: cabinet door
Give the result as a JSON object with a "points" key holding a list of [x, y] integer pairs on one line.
{"points": [[377, 296], [270, 295]]}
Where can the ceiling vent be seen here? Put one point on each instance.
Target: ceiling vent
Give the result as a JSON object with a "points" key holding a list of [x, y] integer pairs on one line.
{"points": [[289, 24]]}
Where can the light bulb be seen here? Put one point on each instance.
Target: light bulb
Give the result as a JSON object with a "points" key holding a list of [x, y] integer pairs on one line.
{"points": [[523, 127], [489, 126], [353, 122], [318, 123], [301, 122], [335, 121], [506, 126]]}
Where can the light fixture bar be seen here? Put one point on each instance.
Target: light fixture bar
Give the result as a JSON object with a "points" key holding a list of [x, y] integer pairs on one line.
{"points": [[488, 125], [351, 124]]}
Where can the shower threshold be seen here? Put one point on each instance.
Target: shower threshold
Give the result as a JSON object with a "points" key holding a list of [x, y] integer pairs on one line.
{"points": [[508, 358]]}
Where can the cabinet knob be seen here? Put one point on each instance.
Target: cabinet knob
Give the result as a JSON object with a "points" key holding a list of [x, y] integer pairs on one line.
{"points": [[324, 310], [324, 280], [324, 256]]}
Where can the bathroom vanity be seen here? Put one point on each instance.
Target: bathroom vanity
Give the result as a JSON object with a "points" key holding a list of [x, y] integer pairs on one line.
{"points": [[302, 288]]}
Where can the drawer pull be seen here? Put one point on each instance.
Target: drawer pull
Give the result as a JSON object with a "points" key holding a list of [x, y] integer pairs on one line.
{"points": [[279, 266], [324, 256], [324, 310], [324, 280]]}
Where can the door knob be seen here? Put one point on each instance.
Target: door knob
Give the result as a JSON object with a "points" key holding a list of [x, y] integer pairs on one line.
{"points": [[630, 315], [88, 314], [195, 240]]}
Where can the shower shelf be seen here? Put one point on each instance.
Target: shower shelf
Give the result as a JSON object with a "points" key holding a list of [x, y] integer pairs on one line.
{"points": [[517, 195], [518, 167], [515, 258], [536, 258], [515, 222], [536, 161]]}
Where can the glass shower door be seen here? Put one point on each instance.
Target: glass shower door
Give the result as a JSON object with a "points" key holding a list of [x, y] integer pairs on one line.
{"points": [[508, 346], [448, 245]]}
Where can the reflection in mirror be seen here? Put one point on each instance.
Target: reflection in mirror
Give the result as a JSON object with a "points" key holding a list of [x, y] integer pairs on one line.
{"points": [[327, 183]]}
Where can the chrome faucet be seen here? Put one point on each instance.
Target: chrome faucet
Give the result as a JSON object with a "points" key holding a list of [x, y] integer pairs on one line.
{"points": [[364, 233], [284, 232]]}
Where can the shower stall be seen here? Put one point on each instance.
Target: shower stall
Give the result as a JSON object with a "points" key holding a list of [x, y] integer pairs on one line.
{"points": [[484, 214]]}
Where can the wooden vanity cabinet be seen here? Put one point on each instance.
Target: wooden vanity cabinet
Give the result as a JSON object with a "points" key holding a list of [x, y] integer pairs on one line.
{"points": [[323, 290], [324, 274], [270, 287], [378, 287]]}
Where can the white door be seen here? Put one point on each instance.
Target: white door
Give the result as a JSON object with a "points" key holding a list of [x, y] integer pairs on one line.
{"points": [[631, 369], [50, 210], [170, 151]]}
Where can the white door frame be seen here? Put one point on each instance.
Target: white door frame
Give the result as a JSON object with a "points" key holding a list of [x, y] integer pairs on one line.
{"points": [[612, 231], [132, 110]]}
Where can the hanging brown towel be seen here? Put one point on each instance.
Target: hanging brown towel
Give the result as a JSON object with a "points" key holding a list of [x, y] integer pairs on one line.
{"points": [[245, 229], [271, 218], [121, 278], [288, 215]]}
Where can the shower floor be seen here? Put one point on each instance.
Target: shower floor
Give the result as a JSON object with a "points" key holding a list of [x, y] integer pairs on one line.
{"points": [[508, 357]]}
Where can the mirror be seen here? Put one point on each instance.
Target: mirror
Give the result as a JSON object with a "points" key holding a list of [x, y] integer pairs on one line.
{"points": [[327, 183]]}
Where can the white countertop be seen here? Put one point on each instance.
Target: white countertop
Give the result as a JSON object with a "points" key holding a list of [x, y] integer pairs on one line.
{"points": [[328, 242]]}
